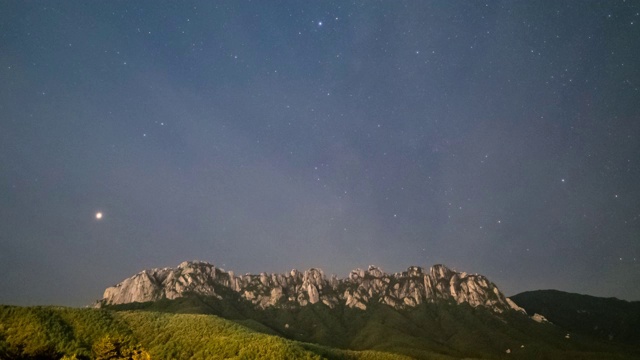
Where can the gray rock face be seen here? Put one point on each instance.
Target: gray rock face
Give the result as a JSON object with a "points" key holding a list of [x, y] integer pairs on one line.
{"points": [[361, 287]]}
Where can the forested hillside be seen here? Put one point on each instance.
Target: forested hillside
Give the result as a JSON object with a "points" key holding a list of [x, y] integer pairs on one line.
{"points": [[192, 328], [65, 333]]}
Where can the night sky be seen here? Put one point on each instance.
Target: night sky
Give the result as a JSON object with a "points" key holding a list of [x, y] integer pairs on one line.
{"points": [[498, 138]]}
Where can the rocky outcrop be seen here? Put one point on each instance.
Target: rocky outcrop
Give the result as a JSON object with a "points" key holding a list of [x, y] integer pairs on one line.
{"points": [[539, 318], [360, 288]]}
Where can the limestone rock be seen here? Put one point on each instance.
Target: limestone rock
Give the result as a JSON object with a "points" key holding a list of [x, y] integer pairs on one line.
{"points": [[515, 306], [400, 290], [539, 318]]}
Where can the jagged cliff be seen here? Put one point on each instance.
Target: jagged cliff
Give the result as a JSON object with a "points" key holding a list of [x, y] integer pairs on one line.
{"points": [[406, 289]]}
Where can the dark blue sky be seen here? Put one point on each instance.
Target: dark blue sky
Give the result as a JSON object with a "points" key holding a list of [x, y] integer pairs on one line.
{"points": [[498, 138]]}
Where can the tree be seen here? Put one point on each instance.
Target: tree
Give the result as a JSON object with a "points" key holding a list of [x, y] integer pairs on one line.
{"points": [[109, 348]]}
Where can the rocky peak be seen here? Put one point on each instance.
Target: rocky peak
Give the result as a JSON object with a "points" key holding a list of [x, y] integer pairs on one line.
{"points": [[440, 271], [374, 271], [406, 289]]}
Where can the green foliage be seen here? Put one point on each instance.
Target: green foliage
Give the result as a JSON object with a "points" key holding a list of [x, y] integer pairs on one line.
{"points": [[433, 330], [173, 330], [118, 348], [430, 331], [55, 333]]}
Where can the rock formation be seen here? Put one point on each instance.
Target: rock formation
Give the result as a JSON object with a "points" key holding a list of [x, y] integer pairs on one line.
{"points": [[360, 288]]}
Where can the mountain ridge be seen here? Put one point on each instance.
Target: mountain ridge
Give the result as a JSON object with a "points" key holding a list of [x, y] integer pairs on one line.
{"points": [[295, 288], [199, 311], [609, 318]]}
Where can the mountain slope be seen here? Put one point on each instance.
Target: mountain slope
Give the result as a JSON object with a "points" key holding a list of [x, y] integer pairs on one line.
{"points": [[54, 332], [605, 318], [428, 331], [445, 329], [415, 313]]}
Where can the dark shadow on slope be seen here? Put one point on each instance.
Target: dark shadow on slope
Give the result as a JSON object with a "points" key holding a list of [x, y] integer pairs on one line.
{"points": [[607, 319]]}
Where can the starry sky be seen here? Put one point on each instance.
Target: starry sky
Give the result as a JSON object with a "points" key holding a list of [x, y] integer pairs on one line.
{"points": [[499, 138]]}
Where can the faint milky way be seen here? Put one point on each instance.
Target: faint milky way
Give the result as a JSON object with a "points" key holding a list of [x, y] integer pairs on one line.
{"points": [[499, 138]]}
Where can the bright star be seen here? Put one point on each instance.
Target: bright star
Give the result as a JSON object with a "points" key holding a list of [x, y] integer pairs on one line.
{"points": [[98, 215]]}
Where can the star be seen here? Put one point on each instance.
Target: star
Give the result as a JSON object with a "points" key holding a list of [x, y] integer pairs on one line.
{"points": [[223, 135]]}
